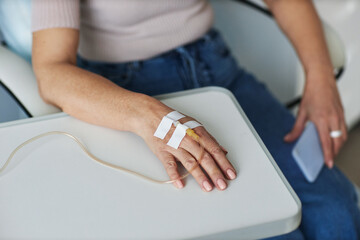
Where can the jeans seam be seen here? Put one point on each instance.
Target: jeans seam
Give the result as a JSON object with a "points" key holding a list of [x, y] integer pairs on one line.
{"points": [[189, 64]]}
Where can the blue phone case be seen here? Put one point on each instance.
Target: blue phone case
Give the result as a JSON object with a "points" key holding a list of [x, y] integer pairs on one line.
{"points": [[308, 153]]}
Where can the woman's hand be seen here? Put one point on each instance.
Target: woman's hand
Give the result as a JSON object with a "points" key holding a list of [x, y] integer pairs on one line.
{"points": [[321, 104], [94, 99], [214, 164]]}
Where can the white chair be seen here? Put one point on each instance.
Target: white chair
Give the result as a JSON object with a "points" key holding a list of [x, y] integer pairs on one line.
{"points": [[16, 74]]}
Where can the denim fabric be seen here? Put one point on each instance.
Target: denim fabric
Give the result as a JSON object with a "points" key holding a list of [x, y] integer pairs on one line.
{"points": [[329, 204]]}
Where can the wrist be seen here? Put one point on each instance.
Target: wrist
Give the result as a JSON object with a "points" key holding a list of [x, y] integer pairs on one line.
{"points": [[320, 73], [319, 81], [146, 114], [319, 69]]}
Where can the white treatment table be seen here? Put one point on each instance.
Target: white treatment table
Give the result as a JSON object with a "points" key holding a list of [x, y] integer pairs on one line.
{"points": [[51, 189]]}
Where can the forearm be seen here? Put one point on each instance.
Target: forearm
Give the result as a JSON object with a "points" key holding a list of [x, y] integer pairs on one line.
{"points": [[90, 97], [299, 21]]}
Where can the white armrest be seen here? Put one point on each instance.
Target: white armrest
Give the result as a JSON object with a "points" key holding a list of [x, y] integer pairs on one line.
{"points": [[17, 75]]}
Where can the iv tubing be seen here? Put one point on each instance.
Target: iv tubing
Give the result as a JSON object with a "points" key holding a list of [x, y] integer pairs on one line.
{"points": [[190, 132]]}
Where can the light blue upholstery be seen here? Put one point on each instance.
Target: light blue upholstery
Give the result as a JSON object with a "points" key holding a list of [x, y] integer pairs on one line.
{"points": [[15, 25]]}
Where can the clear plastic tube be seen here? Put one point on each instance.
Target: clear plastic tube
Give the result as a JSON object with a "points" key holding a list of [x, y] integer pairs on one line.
{"points": [[191, 133]]}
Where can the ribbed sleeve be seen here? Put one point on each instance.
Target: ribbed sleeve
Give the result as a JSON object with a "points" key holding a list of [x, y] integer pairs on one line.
{"points": [[55, 14]]}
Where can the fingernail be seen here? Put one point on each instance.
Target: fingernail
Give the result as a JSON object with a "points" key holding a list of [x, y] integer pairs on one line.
{"points": [[221, 183], [231, 174], [179, 184], [331, 164], [207, 186], [286, 137]]}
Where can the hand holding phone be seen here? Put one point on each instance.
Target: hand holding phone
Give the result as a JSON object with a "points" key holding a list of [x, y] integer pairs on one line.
{"points": [[308, 153]]}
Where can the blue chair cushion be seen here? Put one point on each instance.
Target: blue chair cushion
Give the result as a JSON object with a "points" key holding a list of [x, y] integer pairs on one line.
{"points": [[15, 25]]}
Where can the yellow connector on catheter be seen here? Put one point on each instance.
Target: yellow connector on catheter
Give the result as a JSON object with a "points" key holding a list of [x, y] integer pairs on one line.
{"points": [[192, 134]]}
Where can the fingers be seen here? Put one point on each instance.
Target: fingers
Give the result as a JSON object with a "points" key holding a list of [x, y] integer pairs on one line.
{"points": [[326, 143], [213, 162], [344, 131], [298, 127], [217, 153], [170, 165], [190, 163], [336, 124], [224, 150], [207, 163], [336, 142]]}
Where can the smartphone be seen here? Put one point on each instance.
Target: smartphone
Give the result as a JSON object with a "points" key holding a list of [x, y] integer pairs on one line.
{"points": [[308, 153]]}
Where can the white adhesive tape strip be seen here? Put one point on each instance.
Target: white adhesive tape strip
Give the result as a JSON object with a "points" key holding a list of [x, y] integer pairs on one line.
{"points": [[177, 136], [163, 128], [180, 133], [165, 124], [175, 115], [192, 124]]}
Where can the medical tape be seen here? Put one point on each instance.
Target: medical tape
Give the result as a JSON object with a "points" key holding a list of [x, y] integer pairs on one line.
{"points": [[175, 115], [192, 124], [178, 136], [165, 124], [180, 132], [163, 128]]}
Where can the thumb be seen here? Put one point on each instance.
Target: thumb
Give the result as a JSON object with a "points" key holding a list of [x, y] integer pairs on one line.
{"points": [[297, 129]]}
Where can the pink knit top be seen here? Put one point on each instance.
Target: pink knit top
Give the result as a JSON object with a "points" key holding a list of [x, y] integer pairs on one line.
{"points": [[125, 30]]}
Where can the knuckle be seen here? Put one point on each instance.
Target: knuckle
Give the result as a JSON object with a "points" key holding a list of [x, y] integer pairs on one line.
{"points": [[173, 176], [201, 131], [186, 139], [322, 116], [210, 166], [325, 137], [170, 165], [207, 159], [189, 163], [163, 148], [216, 150]]}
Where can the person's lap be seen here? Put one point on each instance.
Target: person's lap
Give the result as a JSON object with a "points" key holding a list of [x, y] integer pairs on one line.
{"points": [[329, 204]]}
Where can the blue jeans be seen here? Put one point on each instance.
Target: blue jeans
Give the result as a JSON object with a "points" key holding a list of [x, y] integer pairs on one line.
{"points": [[329, 204]]}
